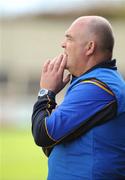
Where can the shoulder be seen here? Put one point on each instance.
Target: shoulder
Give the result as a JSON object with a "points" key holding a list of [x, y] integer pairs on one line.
{"points": [[90, 88]]}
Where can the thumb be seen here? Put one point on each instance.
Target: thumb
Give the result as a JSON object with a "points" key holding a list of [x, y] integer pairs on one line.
{"points": [[66, 80]]}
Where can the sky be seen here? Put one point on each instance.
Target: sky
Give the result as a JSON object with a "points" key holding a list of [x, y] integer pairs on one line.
{"points": [[19, 7]]}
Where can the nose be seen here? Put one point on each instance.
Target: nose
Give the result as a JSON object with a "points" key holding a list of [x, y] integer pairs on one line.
{"points": [[63, 44]]}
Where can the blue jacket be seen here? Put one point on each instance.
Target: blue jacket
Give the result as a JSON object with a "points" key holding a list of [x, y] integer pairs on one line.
{"points": [[88, 128]]}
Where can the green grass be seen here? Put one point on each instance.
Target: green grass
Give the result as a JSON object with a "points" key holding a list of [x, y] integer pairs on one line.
{"points": [[20, 158]]}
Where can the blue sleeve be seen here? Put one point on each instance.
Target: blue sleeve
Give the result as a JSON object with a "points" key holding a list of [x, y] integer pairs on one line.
{"points": [[81, 103]]}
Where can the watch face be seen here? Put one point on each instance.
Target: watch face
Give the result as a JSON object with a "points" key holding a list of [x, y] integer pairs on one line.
{"points": [[43, 92]]}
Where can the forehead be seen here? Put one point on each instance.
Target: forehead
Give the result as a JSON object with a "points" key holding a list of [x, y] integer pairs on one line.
{"points": [[75, 29]]}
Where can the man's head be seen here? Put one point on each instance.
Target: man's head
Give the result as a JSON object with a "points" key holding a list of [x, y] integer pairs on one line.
{"points": [[88, 41]]}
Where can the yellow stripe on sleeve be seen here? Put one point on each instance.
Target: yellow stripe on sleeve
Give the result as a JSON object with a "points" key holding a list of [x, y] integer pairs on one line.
{"points": [[48, 132], [104, 88]]}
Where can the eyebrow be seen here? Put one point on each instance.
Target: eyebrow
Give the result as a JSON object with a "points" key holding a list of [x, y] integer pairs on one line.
{"points": [[68, 36]]}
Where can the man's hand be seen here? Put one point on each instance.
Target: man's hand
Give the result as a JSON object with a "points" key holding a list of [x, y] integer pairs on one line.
{"points": [[52, 74]]}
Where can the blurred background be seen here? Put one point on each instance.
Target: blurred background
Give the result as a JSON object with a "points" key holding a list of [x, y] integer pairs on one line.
{"points": [[31, 31]]}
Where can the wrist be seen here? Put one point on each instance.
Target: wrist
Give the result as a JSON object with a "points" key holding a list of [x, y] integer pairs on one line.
{"points": [[43, 92], [47, 98]]}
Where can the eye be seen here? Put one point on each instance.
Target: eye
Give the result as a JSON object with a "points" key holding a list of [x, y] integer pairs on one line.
{"points": [[68, 37]]}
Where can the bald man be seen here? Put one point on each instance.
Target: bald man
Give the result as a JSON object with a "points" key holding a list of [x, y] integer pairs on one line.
{"points": [[84, 137]]}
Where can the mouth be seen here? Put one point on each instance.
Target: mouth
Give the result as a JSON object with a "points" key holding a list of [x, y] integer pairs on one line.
{"points": [[65, 53], [67, 57]]}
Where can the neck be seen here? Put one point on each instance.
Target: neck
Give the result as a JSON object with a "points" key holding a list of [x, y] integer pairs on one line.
{"points": [[84, 68], [88, 64]]}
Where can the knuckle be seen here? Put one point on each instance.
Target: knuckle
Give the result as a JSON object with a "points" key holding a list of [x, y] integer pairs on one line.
{"points": [[57, 64], [61, 66]]}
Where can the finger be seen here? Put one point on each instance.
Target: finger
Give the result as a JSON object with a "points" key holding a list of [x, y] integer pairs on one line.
{"points": [[66, 80], [51, 64], [58, 62], [45, 66], [63, 64]]}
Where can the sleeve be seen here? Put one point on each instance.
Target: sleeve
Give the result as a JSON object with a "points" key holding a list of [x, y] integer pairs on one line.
{"points": [[86, 105], [42, 108]]}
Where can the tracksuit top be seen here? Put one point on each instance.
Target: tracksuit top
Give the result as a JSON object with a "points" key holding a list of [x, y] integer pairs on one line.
{"points": [[87, 129]]}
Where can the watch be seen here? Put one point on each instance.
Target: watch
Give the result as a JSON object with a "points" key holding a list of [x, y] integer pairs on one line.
{"points": [[43, 92]]}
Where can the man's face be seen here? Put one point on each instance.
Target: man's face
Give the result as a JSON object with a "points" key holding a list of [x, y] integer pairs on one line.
{"points": [[74, 46]]}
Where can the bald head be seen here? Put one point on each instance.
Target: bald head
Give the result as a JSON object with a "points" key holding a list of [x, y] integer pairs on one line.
{"points": [[99, 29]]}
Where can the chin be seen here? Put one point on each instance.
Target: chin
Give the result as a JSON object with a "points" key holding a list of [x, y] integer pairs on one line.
{"points": [[68, 69]]}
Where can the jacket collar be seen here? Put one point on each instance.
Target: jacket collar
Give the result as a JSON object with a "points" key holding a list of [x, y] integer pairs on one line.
{"points": [[110, 64]]}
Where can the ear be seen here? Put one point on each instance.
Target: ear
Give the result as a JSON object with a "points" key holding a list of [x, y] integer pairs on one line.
{"points": [[90, 48]]}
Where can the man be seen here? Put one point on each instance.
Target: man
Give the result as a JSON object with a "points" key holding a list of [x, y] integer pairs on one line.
{"points": [[84, 136]]}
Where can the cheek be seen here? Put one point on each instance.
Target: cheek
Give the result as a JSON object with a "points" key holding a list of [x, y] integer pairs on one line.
{"points": [[71, 51], [71, 61], [72, 54]]}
